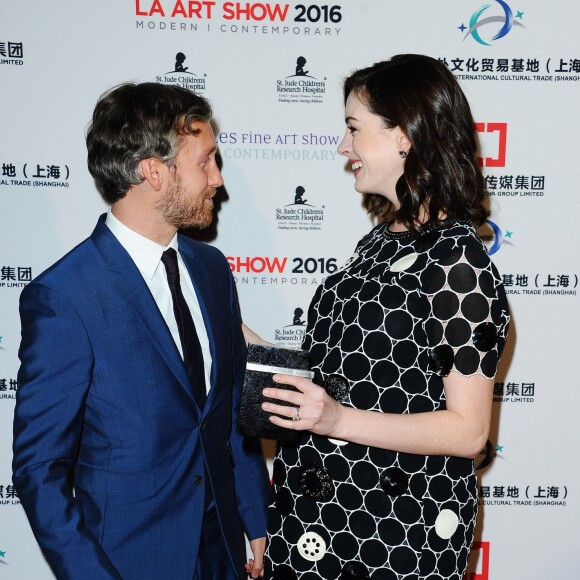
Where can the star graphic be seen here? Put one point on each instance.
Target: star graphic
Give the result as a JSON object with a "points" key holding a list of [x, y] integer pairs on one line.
{"points": [[499, 448], [2, 554], [519, 15], [508, 234], [462, 27]]}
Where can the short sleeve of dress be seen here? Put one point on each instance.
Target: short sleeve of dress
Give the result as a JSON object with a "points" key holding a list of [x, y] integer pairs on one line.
{"points": [[468, 316]]}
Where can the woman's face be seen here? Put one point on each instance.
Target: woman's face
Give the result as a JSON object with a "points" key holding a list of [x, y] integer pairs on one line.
{"points": [[372, 150]]}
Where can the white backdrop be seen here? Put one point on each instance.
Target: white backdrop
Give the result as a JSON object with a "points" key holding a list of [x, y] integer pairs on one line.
{"points": [[278, 132]]}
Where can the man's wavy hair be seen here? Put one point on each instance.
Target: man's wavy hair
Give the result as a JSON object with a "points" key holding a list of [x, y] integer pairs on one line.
{"points": [[441, 175], [132, 122]]}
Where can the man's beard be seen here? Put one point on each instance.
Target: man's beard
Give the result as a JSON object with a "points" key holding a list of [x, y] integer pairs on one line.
{"points": [[183, 210]]}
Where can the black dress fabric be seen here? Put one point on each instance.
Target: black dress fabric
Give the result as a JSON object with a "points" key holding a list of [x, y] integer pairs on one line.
{"points": [[403, 312]]}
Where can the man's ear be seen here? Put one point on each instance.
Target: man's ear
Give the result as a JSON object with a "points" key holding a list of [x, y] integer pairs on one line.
{"points": [[153, 171]]}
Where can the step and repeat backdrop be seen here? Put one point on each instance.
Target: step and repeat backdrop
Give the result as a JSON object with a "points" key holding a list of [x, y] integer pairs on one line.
{"points": [[288, 215]]}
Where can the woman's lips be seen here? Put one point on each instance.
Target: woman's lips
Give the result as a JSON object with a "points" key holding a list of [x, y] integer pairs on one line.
{"points": [[356, 166]]}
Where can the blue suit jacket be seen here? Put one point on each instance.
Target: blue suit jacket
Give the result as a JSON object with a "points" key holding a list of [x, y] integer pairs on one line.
{"points": [[104, 399]]}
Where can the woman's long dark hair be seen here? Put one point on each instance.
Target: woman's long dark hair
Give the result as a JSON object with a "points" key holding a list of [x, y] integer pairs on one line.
{"points": [[441, 176]]}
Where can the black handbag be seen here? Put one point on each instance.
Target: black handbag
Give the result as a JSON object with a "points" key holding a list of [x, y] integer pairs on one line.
{"points": [[263, 362]]}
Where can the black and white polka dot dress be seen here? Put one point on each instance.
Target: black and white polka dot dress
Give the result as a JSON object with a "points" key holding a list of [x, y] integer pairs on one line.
{"points": [[382, 331]]}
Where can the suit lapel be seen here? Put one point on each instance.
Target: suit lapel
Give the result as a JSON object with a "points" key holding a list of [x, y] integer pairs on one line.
{"points": [[204, 292], [127, 280]]}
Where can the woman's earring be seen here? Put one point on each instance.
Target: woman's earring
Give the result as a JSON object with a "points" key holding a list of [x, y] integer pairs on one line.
{"points": [[403, 153]]}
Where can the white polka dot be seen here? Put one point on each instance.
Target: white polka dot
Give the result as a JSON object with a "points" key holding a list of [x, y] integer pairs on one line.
{"points": [[404, 263], [311, 546], [446, 524], [338, 442]]}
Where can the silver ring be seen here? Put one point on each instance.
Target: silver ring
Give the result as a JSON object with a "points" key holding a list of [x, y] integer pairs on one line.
{"points": [[296, 415]]}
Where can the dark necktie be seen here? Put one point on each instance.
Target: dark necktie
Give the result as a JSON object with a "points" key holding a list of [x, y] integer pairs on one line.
{"points": [[192, 355]]}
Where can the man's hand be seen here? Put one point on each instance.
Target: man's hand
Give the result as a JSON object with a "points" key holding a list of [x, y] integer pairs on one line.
{"points": [[255, 567]]}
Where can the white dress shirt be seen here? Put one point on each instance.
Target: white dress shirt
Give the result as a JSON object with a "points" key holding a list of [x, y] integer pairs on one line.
{"points": [[147, 257]]}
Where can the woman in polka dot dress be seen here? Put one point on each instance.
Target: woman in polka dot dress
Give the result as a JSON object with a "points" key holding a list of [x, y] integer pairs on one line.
{"points": [[404, 340]]}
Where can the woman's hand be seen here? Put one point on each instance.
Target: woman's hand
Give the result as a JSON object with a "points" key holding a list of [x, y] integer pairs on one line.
{"points": [[460, 430], [313, 409], [255, 566]]}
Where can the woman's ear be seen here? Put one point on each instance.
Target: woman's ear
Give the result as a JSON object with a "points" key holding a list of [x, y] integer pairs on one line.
{"points": [[404, 142]]}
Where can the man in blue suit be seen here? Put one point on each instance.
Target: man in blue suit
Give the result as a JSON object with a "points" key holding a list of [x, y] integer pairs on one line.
{"points": [[126, 456]]}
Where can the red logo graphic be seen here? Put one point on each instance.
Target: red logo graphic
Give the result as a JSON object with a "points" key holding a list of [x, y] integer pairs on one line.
{"points": [[203, 9], [255, 11], [256, 264], [189, 10], [501, 128], [480, 550]]}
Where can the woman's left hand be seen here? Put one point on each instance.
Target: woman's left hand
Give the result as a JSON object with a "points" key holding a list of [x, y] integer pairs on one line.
{"points": [[313, 409]]}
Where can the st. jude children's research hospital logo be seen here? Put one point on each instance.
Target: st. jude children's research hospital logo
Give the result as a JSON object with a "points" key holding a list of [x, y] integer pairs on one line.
{"points": [[182, 76], [292, 334], [480, 21], [299, 215], [301, 87]]}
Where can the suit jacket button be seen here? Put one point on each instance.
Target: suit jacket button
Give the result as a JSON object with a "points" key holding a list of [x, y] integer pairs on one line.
{"points": [[198, 480], [202, 426]]}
